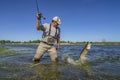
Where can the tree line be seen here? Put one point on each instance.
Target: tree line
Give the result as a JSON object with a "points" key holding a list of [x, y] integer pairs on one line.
{"points": [[9, 41], [37, 41], [63, 42]]}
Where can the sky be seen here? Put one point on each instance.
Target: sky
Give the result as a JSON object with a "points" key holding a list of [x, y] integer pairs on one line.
{"points": [[81, 20]]}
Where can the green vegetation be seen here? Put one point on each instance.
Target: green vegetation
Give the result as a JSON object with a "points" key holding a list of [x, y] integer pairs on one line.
{"points": [[105, 43], [62, 42], [18, 42], [4, 50]]}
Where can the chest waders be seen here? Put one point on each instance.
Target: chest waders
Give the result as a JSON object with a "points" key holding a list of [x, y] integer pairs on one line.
{"points": [[48, 39]]}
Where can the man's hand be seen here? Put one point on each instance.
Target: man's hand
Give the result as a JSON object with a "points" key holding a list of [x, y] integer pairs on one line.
{"points": [[39, 15], [58, 48]]}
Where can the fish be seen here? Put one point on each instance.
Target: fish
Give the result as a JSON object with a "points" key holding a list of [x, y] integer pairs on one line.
{"points": [[82, 56]]}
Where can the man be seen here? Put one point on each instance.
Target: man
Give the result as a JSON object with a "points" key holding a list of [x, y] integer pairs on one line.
{"points": [[51, 35]]}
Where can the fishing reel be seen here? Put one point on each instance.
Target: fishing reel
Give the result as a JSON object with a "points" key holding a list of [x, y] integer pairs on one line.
{"points": [[39, 16]]}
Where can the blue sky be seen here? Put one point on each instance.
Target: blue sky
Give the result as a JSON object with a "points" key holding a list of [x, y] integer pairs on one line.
{"points": [[82, 20]]}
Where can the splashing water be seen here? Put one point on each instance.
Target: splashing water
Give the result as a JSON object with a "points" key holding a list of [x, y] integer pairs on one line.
{"points": [[69, 60]]}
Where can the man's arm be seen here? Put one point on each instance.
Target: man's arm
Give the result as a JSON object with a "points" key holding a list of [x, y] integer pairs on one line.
{"points": [[38, 24], [58, 40]]}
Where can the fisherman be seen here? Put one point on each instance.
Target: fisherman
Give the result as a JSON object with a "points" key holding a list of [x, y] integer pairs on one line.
{"points": [[51, 35]]}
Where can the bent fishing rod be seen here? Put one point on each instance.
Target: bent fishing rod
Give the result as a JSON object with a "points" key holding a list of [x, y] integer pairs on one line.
{"points": [[38, 11]]}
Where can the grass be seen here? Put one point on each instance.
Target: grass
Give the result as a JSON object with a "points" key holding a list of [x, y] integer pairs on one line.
{"points": [[6, 51], [3, 48]]}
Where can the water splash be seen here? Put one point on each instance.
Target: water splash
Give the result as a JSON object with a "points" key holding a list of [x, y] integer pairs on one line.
{"points": [[69, 60]]}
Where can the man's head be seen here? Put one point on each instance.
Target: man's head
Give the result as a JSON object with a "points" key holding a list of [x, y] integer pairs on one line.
{"points": [[56, 21]]}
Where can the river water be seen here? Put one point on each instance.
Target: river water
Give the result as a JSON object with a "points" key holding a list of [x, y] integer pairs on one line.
{"points": [[103, 63]]}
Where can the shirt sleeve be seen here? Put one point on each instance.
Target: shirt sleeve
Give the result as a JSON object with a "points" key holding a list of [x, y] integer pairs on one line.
{"points": [[45, 25]]}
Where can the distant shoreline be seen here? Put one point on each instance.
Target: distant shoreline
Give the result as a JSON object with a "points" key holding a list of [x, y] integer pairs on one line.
{"points": [[70, 43]]}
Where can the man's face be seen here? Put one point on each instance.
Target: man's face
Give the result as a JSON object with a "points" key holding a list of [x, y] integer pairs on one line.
{"points": [[55, 24]]}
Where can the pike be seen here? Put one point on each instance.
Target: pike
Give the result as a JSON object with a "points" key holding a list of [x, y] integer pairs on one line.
{"points": [[81, 56], [85, 51]]}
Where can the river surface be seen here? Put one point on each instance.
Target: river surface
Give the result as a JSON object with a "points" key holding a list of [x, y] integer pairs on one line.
{"points": [[103, 63]]}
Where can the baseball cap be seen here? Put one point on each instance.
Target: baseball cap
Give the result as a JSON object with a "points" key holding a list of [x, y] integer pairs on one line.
{"points": [[57, 19]]}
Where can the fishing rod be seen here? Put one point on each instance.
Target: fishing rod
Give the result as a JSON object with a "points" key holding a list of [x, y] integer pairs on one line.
{"points": [[38, 11]]}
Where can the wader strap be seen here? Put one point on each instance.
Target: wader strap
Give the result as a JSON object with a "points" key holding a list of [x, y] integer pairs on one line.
{"points": [[49, 30], [44, 34], [56, 33]]}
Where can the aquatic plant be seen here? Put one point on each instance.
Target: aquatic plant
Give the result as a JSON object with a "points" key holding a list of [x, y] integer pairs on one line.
{"points": [[4, 50]]}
